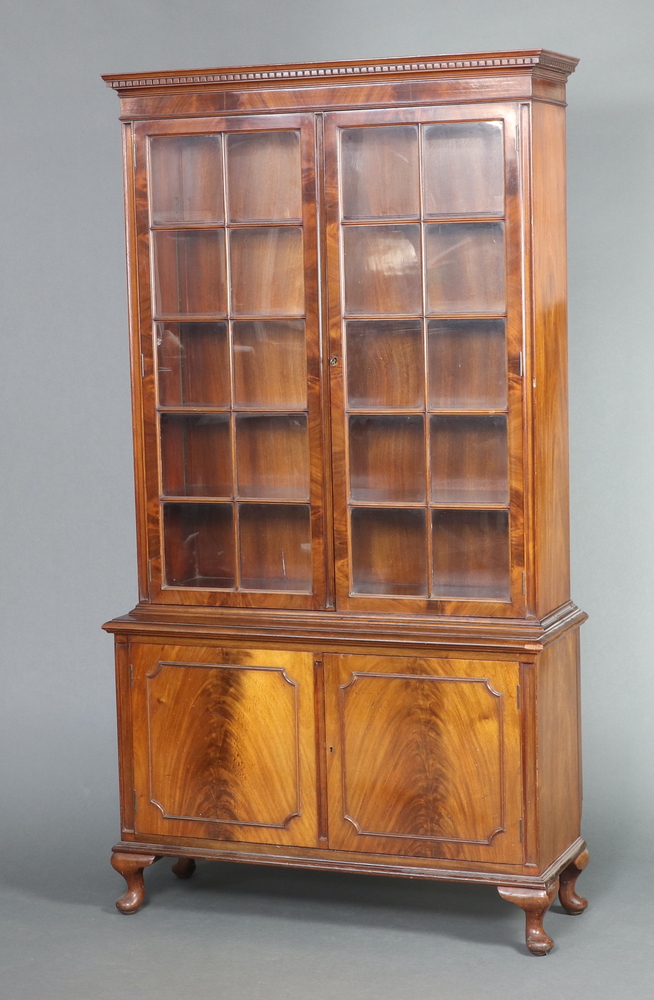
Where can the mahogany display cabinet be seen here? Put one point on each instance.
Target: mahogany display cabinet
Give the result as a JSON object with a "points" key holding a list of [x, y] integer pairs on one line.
{"points": [[354, 648]]}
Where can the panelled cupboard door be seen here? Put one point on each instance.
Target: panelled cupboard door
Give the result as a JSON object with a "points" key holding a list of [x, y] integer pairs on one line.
{"points": [[224, 744], [231, 434], [424, 757], [424, 254]]}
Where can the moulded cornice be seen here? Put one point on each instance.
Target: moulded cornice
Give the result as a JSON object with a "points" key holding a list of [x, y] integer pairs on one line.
{"points": [[478, 62]]}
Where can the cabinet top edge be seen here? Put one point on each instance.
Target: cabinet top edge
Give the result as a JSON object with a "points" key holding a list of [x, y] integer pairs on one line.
{"points": [[334, 628], [475, 63]]}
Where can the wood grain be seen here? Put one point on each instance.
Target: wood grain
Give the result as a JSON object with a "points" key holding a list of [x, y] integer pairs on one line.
{"points": [[186, 179], [267, 271], [224, 744], [484, 464], [464, 169], [270, 364], [381, 173], [558, 734], [326, 859], [468, 64], [196, 457], [535, 903], [192, 364], [570, 901], [272, 456], [464, 268], [387, 458], [359, 281], [385, 364], [552, 529], [189, 273], [206, 373], [183, 867], [381, 266], [469, 460], [426, 757], [264, 176], [467, 364], [131, 866]]}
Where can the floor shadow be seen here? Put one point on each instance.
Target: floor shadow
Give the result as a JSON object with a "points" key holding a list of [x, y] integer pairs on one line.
{"points": [[79, 873]]}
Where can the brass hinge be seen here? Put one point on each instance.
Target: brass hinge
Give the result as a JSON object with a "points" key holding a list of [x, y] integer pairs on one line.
{"points": [[521, 369], [136, 803], [520, 828], [142, 365], [518, 696], [131, 675]]}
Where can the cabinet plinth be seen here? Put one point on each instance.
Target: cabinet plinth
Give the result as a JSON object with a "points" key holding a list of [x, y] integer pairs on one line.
{"points": [[355, 647]]}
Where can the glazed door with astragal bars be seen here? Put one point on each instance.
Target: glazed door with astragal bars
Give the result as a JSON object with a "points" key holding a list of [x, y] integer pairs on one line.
{"points": [[228, 305], [423, 301], [426, 317]]}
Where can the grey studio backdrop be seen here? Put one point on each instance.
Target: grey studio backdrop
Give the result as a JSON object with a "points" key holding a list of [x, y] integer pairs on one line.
{"points": [[68, 555]]}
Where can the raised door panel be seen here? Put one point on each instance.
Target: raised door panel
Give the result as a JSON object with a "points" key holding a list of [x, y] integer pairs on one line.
{"points": [[424, 757], [424, 260], [224, 744], [231, 446]]}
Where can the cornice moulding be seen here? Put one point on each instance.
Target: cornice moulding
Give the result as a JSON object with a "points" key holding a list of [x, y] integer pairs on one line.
{"points": [[520, 60]]}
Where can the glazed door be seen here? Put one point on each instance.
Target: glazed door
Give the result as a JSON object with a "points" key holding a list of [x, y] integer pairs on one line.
{"points": [[229, 347], [424, 757], [426, 319], [224, 744]]}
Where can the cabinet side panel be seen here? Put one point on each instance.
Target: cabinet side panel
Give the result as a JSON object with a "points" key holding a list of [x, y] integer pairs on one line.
{"points": [[550, 356], [559, 759], [125, 746]]}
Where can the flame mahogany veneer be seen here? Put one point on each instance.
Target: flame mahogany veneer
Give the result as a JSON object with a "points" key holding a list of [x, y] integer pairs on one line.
{"points": [[354, 647]]}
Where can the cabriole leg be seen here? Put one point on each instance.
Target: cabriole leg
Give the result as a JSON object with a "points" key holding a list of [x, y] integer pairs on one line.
{"points": [[183, 867], [131, 866], [570, 901], [535, 903]]}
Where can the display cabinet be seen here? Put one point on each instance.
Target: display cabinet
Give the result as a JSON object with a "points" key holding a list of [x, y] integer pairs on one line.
{"points": [[354, 647]]}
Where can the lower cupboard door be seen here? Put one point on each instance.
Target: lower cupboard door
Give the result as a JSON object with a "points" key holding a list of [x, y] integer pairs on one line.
{"points": [[424, 757], [224, 744]]}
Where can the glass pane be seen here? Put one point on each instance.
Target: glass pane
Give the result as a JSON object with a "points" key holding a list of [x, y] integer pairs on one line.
{"points": [[275, 547], [467, 364], [264, 176], [196, 455], [186, 179], [382, 269], [189, 268], [193, 364], [198, 545], [267, 272], [464, 169], [387, 459], [270, 364], [471, 554], [385, 363], [465, 267], [272, 456], [389, 552], [380, 174], [469, 460]]}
